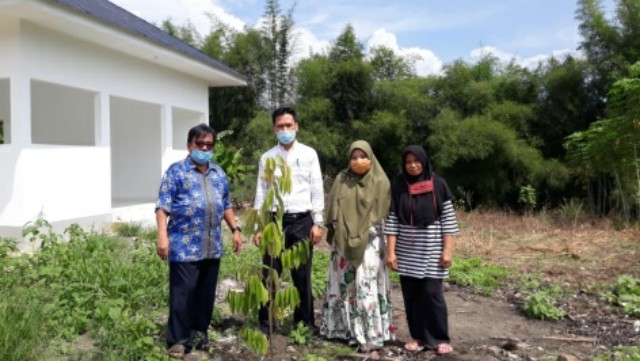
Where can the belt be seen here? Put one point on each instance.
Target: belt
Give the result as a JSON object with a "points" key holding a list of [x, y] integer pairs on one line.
{"points": [[292, 217]]}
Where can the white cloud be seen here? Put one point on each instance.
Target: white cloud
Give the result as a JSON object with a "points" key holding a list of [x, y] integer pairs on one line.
{"points": [[427, 63], [307, 43], [528, 62], [179, 11]]}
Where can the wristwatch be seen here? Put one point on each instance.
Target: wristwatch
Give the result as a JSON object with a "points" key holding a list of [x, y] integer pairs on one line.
{"points": [[237, 228]]}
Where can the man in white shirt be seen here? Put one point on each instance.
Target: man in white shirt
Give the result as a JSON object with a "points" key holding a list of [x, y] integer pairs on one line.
{"points": [[303, 217]]}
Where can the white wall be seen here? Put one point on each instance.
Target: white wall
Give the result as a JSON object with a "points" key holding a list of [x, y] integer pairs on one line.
{"points": [[183, 120], [80, 64], [59, 182], [62, 115], [71, 182], [135, 151]]}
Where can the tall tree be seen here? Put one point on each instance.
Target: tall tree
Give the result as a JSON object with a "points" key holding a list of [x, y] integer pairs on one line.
{"points": [[566, 104], [351, 78], [187, 32], [278, 36], [389, 66], [610, 148]]}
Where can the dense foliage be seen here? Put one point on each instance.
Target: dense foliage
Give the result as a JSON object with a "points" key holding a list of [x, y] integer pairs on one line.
{"points": [[566, 129]]}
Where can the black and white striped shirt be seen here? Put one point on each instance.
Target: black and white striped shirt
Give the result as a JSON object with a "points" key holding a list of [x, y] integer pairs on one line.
{"points": [[418, 250]]}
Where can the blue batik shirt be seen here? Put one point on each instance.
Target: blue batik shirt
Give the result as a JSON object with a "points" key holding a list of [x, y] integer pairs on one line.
{"points": [[195, 203]]}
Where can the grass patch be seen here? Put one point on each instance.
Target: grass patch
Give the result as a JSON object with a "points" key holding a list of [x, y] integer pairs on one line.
{"points": [[620, 353], [115, 291], [127, 229], [477, 274]]}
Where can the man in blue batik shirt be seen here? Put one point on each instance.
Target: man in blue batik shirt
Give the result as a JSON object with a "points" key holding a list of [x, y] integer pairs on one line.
{"points": [[194, 198]]}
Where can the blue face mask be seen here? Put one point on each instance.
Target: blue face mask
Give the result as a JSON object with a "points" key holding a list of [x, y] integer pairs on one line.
{"points": [[286, 136], [201, 157]]}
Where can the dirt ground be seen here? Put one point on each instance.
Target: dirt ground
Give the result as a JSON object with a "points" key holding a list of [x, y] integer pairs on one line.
{"points": [[582, 257]]}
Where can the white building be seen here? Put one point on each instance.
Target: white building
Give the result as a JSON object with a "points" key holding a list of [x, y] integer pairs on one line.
{"points": [[95, 104]]}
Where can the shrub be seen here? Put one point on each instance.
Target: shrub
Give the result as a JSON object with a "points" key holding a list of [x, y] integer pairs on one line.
{"points": [[475, 273], [540, 305], [626, 294]]}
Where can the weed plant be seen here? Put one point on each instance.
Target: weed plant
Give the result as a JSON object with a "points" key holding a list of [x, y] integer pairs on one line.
{"points": [[620, 353], [111, 289], [475, 273], [541, 306], [128, 229], [319, 269], [625, 294]]}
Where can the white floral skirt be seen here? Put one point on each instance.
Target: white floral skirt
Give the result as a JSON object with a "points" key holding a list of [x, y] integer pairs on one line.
{"points": [[356, 306]]}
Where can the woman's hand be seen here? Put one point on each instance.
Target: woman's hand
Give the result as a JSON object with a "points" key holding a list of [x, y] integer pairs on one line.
{"points": [[392, 261], [446, 259]]}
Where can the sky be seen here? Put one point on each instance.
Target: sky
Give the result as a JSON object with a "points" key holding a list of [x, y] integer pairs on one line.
{"points": [[434, 32]]}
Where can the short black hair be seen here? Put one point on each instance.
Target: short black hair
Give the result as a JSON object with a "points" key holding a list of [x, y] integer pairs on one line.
{"points": [[200, 131], [282, 111]]}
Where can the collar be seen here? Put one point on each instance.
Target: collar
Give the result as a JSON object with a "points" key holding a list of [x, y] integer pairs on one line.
{"points": [[283, 149], [192, 166]]}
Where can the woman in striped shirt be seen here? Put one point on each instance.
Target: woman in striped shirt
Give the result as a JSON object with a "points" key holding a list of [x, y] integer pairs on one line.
{"points": [[420, 229]]}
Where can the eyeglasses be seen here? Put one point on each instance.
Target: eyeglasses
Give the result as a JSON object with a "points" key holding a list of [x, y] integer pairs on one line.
{"points": [[207, 145]]}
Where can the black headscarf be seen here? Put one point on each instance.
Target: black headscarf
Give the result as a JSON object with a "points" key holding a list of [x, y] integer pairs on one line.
{"points": [[421, 212]]}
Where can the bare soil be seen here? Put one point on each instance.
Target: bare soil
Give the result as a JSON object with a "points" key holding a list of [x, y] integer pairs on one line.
{"points": [[583, 257]]}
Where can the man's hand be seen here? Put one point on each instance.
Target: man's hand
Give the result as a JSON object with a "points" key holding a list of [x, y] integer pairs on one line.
{"points": [[162, 246], [237, 242], [316, 234], [256, 239]]}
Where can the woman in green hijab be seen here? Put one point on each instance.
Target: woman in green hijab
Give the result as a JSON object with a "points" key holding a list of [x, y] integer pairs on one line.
{"points": [[356, 306]]}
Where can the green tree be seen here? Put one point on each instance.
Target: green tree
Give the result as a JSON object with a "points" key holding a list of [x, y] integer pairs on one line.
{"points": [[566, 104], [389, 66], [499, 161], [278, 37], [611, 147], [276, 296], [187, 32], [230, 108], [351, 78]]}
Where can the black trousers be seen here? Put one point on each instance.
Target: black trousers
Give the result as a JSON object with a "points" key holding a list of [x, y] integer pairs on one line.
{"points": [[426, 310], [192, 291], [295, 230]]}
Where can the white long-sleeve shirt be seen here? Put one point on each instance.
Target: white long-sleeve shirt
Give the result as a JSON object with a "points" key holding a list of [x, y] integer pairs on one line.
{"points": [[307, 192]]}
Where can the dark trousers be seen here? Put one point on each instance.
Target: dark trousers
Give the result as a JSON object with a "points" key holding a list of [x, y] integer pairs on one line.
{"points": [[426, 310], [192, 291], [295, 230]]}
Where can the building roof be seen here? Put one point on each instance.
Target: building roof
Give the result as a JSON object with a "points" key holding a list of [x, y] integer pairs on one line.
{"points": [[113, 15]]}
